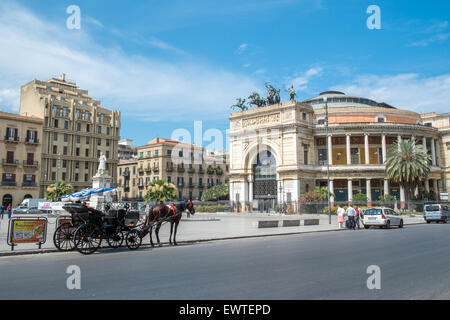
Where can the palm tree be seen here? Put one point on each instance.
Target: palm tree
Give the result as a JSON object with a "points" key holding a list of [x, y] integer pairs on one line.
{"points": [[161, 190], [407, 164], [54, 193]]}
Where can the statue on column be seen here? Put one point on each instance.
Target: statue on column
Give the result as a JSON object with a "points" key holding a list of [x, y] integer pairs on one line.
{"points": [[102, 164]]}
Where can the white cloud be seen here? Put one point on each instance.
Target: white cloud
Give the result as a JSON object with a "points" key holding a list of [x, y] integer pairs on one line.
{"points": [[144, 87], [405, 91], [242, 48], [301, 82]]}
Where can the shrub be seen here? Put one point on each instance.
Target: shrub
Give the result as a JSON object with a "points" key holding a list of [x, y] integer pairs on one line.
{"points": [[219, 192]]}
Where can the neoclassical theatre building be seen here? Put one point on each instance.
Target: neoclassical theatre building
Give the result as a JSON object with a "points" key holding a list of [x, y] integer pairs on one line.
{"points": [[279, 152]]}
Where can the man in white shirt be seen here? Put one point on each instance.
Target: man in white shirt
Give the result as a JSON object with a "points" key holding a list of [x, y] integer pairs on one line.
{"points": [[351, 213]]}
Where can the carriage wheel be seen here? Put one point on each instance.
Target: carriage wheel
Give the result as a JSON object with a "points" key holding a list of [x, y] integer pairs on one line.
{"points": [[116, 240], [133, 240], [63, 237], [87, 238]]}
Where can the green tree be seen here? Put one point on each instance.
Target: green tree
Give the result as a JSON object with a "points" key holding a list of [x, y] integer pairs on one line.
{"points": [[161, 190], [319, 194], [54, 193], [359, 198], [219, 192], [407, 164]]}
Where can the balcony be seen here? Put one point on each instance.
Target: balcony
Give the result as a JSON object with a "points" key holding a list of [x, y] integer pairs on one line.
{"points": [[141, 169], [155, 169], [180, 184], [148, 169], [33, 164], [201, 170], [191, 185], [31, 141], [9, 184], [169, 169], [180, 169], [201, 185], [29, 184], [9, 162], [12, 139], [191, 170]]}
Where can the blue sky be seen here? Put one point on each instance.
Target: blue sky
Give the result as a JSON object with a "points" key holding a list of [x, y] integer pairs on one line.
{"points": [[165, 64]]}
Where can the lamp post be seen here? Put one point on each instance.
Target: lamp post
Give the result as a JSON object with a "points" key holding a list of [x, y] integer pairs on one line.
{"points": [[328, 161]]}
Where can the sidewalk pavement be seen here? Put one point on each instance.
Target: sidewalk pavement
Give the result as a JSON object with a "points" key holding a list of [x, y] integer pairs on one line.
{"points": [[205, 227]]}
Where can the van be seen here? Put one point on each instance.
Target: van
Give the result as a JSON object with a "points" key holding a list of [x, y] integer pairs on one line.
{"points": [[436, 212], [29, 206]]}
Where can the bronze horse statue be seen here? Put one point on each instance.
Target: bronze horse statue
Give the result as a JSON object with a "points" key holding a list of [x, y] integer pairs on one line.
{"points": [[168, 213]]}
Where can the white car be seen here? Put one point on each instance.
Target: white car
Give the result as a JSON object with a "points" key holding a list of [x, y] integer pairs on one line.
{"points": [[381, 217]]}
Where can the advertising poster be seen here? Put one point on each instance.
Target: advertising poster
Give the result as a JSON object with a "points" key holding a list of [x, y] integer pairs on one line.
{"points": [[28, 231]]}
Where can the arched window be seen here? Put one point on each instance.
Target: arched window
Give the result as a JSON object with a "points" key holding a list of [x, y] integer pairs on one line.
{"points": [[7, 199], [28, 196]]}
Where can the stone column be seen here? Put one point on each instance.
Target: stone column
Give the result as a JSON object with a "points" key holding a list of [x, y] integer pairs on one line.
{"points": [[349, 155], [427, 185], [383, 146], [433, 152], [386, 187], [350, 190], [366, 148], [368, 193], [332, 191], [399, 140], [402, 197], [250, 193], [435, 188], [330, 151]]}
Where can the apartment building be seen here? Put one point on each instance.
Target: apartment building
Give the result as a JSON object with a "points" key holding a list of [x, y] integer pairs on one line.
{"points": [[20, 153], [76, 129], [191, 168]]}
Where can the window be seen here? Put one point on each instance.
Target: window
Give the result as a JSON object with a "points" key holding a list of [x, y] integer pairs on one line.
{"points": [[48, 89], [76, 176], [79, 95], [66, 137], [428, 124], [305, 154], [107, 154], [86, 152], [54, 163], [355, 155], [102, 118], [107, 130], [64, 163], [77, 164], [321, 121], [53, 175], [88, 127], [322, 155], [141, 154], [63, 176], [78, 126], [149, 153], [99, 142], [180, 154], [86, 177], [169, 152], [65, 151], [99, 129], [78, 113], [78, 139], [87, 140], [55, 149], [156, 152], [63, 99], [66, 124], [304, 116], [77, 152], [381, 119], [55, 136], [107, 143], [86, 165], [56, 123]]}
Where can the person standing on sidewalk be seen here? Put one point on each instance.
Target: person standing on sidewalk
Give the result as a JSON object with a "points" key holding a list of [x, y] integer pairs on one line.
{"points": [[351, 213], [340, 214], [357, 217], [2, 211], [9, 209]]}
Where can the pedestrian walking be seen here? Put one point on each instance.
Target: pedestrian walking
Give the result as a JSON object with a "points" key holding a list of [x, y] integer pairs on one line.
{"points": [[2, 211], [357, 217], [9, 209], [340, 214], [351, 213]]}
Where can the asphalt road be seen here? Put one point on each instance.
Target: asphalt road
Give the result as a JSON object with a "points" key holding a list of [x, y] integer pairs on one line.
{"points": [[414, 264]]}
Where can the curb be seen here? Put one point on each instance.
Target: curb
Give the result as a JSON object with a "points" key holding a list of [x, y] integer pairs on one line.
{"points": [[43, 251]]}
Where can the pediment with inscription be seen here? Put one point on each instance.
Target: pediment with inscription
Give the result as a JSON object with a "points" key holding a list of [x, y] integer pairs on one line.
{"points": [[261, 120]]}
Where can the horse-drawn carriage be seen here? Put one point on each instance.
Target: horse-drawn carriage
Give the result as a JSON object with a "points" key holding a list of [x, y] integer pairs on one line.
{"points": [[88, 227]]}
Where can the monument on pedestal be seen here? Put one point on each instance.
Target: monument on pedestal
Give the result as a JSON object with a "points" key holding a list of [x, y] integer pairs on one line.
{"points": [[100, 180]]}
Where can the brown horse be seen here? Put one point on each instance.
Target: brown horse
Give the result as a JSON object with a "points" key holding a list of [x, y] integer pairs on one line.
{"points": [[170, 213]]}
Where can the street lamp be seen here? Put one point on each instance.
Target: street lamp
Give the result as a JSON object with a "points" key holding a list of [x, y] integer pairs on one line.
{"points": [[328, 161]]}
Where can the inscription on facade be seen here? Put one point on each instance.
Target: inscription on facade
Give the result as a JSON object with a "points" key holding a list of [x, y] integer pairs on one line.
{"points": [[257, 121]]}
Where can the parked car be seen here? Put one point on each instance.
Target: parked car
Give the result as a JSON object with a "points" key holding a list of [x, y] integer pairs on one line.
{"points": [[381, 217], [436, 212], [28, 206]]}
